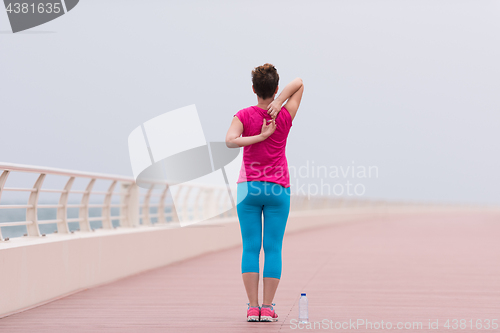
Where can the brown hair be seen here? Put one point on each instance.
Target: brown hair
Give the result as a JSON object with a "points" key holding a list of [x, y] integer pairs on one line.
{"points": [[265, 79]]}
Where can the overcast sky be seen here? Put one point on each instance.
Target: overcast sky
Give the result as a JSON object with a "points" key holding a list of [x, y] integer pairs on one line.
{"points": [[411, 87]]}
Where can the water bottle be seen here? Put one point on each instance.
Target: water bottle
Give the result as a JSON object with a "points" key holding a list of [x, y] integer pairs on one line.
{"points": [[303, 311]]}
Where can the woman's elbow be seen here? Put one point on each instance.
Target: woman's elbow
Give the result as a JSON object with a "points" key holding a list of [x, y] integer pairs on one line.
{"points": [[231, 144]]}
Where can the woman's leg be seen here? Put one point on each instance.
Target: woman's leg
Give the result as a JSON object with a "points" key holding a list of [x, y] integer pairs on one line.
{"points": [[251, 282], [270, 287], [250, 219], [275, 218]]}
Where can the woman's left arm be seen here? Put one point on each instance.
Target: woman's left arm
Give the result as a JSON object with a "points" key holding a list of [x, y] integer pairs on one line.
{"points": [[235, 140]]}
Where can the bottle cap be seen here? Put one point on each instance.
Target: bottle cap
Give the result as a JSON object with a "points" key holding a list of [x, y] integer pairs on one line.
{"points": [[303, 294]]}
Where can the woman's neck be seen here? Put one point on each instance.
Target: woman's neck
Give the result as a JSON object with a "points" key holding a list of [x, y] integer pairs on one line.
{"points": [[264, 103]]}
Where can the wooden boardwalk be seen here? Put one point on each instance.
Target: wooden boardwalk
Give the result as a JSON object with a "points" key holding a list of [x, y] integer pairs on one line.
{"points": [[397, 270]]}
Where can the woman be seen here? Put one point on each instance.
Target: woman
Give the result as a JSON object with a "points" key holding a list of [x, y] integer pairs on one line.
{"points": [[264, 184]]}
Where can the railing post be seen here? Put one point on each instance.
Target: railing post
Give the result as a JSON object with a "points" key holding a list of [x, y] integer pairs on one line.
{"points": [[218, 202], [173, 210], [3, 179], [130, 198], [84, 211], [185, 208], [228, 208], [106, 209], [62, 212], [161, 207], [32, 212], [209, 206], [145, 207], [197, 211], [180, 208]]}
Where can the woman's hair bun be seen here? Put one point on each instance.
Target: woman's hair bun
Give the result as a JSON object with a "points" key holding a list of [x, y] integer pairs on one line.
{"points": [[265, 79]]}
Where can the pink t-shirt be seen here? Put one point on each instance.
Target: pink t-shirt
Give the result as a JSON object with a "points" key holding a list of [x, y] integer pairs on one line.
{"points": [[265, 160]]}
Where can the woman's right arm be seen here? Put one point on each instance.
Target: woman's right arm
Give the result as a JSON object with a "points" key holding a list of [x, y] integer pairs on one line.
{"points": [[293, 92], [235, 140]]}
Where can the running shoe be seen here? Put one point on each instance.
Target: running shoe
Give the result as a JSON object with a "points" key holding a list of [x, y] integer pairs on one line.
{"points": [[268, 314], [253, 313]]}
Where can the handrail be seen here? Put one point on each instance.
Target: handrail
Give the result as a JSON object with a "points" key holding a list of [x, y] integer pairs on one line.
{"points": [[62, 172]]}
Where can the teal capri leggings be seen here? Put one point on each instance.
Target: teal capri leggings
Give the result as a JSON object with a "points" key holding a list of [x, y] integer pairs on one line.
{"points": [[257, 198]]}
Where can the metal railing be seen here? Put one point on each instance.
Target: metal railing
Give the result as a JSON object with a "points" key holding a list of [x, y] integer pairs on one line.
{"points": [[135, 207], [32, 207]]}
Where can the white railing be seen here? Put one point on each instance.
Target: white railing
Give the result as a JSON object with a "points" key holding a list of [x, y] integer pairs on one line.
{"points": [[32, 207], [135, 206]]}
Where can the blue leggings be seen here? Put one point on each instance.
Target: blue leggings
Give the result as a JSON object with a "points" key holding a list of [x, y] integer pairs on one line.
{"points": [[273, 200]]}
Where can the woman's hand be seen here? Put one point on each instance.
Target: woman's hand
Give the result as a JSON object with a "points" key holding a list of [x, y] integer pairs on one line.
{"points": [[268, 129], [274, 108]]}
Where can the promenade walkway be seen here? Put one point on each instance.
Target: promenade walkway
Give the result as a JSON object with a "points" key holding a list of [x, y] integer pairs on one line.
{"points": [[400, 269]]}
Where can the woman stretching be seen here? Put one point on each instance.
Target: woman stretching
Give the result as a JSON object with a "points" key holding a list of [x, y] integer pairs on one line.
{"points": [[264, 183]]}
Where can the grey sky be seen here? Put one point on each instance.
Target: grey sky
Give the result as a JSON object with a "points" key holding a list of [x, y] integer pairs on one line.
{"points": [[411, 87]]}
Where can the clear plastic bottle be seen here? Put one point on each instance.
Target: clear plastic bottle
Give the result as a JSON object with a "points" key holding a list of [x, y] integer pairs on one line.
{"points": [[303, 309]]}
